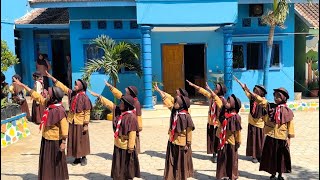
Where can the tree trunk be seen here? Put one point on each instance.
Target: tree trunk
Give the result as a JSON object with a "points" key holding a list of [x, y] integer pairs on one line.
{"points": [[114, 82], [268, 60]]}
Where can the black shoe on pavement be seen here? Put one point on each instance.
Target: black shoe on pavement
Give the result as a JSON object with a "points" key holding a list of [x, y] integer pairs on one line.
{"points": [[83, 161], [254, 160], [214, 158], [76, 161]]}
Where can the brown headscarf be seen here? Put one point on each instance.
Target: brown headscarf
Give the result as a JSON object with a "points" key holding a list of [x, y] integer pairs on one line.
{"points": [[134, 92], [184, 120], [234, 122], [286, 113], [55, 115], [83, 101], [257, 111]]}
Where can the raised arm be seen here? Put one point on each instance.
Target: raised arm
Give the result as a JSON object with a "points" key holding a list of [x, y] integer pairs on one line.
{"points": [[116, 93], [215, 97], [167, 99], [106, 102], [36, 96], [200, 89], [64, 88]]}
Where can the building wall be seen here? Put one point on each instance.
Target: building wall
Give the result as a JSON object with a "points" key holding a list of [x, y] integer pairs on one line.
{"points": [[281, 77], [79, 37], [10, 11]]}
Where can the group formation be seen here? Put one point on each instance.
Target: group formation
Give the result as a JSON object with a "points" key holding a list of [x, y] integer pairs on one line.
{"points": [[270, 128]]}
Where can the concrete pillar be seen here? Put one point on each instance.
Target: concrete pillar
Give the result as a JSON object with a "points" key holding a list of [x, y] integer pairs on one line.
{"points": [[147, 66]]}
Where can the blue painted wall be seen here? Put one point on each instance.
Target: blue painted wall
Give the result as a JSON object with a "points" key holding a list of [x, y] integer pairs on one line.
{"points": [[79, 37], [10, 11]]}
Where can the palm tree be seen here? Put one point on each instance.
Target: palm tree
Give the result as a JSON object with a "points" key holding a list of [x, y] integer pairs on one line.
{"points": [[115, 57], [274, 18]]}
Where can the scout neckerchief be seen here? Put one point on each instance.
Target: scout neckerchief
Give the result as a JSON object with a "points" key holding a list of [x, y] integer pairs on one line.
{"points": [[277, 114], [116, 133], [46, 113], [255, 106], [174, 124], [223, 131], [213, 113], [135, 98], [74, 102]]}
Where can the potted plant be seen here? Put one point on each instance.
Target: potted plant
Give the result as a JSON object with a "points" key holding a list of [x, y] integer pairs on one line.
{"points": [[115, 57], [155, 82], [99, 112]]}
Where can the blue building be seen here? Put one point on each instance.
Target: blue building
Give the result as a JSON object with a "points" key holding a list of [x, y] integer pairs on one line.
{"points": [[183, 39]]}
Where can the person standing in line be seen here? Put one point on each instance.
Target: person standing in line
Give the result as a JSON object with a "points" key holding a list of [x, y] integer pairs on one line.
{"points": [[229, 133], [178, 163], [78, 117], [125, 162], [132, 91], [43, 65], [19, 96], [54, 126], [69, 71], [37, 108], [215, 109], [279, 129]]}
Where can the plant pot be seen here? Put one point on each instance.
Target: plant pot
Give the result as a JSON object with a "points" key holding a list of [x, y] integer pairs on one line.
{"points": [[314, 93], [297, 95], [154, 100], [109, 117], [97, 114]]}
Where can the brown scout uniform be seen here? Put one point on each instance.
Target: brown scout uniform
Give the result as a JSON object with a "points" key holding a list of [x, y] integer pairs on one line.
{"points": [[52, 162], [78, 141], [125, 165]]}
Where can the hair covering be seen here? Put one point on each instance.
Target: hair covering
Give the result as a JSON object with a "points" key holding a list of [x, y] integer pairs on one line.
{"points": [[221, 89], [183, 92], [128, 101], [133, 91], [81, 84], [37, 74]]}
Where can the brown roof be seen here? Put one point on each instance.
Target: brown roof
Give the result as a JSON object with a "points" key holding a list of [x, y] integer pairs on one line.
{"points": [[45, 16], [309, 13]]}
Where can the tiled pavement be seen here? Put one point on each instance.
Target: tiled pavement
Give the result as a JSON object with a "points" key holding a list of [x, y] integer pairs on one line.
{"points": [[20, 160]]}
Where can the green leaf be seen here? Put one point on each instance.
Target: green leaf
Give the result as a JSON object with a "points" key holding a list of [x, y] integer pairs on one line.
{"points": [[8, 59]]}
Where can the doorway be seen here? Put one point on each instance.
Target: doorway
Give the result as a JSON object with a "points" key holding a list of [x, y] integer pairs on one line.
{"points": [[60, 48], [181, 62]]}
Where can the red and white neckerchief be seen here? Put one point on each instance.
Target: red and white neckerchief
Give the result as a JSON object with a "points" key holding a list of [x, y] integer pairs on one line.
{"points": [[223, 132], [74, 102], [277, 114], [174, 124], [116, 133], [213, 113], [136, 99], [46, 113], [255, 106]]}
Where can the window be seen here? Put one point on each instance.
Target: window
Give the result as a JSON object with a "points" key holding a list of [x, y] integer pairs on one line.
{"points": [[117, 24], [246, 22], [238, 58], [91, 51], [133, 25], [275, 56], [85, 24], [102, 25], [255, 10], [254, 56]]}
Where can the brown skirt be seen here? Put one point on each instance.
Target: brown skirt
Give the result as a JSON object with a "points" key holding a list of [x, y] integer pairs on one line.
{"points": [[124, 165], [178, 164], [227, 162], [78, 141], [25, 109], [212, 139], [138, 144], [275, 156], [37, 112], [52, 162], [255, 140]]}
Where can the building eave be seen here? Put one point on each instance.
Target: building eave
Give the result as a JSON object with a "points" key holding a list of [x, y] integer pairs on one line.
{"points": [[80, 4], [42, 26]]}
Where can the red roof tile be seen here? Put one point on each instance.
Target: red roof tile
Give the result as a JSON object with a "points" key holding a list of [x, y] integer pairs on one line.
{"points": [[45, 16], [309, 13]]}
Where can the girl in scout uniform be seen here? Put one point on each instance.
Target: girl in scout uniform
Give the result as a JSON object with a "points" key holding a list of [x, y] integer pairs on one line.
{"points": [[279, 129], [54, 126], [132, 91], [178, 164], [37, 108], [229, 133], [256, 118], [125, 162], [215, 109], [18, 96], [78, 117]]}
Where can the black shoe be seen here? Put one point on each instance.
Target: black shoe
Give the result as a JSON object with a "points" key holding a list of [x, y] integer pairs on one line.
{"points": [[83, 161], [273, 177], [280, 178], [254, 160], [214, 158], [76, 161]]}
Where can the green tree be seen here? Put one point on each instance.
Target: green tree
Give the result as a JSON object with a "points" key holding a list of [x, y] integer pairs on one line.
{"points": [[8, 59]]}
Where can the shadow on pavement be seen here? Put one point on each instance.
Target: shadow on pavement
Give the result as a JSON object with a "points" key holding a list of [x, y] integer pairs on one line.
{"points": [[148, 176], [302, 173], [106, 156], [156, 154], [92, 176], [23, 176]]}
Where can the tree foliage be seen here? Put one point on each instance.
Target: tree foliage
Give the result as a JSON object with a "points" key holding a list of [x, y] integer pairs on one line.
{"points": [[8, 59]]}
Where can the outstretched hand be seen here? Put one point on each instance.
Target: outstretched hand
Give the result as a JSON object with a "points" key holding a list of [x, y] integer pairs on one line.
{"points": [[93, 93], [49, 75], [190, 83], [107, 84], [17, 82], [155, 86]]}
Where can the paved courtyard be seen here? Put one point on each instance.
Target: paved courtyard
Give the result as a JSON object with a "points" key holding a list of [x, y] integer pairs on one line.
{"points": [[20, 160]]}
